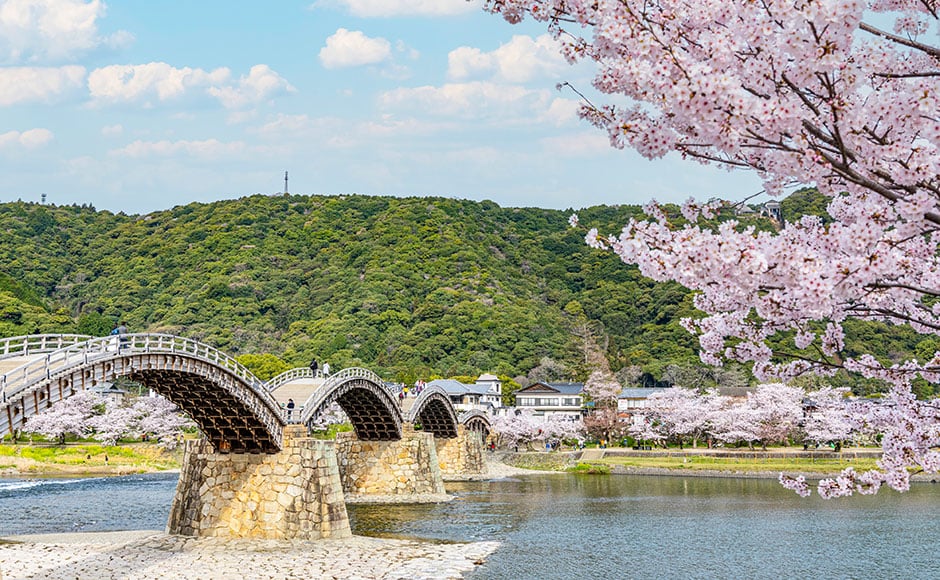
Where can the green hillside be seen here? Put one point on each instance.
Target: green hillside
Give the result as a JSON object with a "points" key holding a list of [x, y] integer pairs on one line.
{"points": [[407, 286]]}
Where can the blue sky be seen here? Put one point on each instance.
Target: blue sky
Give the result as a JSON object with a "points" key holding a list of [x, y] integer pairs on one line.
{"points": [[139, 105]]}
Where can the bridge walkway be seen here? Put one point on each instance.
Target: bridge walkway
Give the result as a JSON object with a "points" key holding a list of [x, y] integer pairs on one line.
{"points": [[15, 362], [298, 389]]}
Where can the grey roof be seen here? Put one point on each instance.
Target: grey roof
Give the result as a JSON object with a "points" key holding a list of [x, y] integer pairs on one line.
{"points": [[735, 391], [638, 393], [561, 388], [457, 388]]}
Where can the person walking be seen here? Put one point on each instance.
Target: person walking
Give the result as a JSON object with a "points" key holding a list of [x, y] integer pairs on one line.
{"points": [[326, 369], [290, 407], [313, 367]]}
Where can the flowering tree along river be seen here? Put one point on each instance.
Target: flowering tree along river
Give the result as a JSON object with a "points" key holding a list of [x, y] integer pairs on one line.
{"points": [[840, 94], [88, 414]]}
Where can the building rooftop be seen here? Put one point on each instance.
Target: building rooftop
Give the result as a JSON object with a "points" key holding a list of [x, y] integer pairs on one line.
{"points": [[454, 387], [638, 393], [560, 388]]}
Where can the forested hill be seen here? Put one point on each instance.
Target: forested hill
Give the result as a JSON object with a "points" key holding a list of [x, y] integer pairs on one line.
{"points": [[408, 286]]}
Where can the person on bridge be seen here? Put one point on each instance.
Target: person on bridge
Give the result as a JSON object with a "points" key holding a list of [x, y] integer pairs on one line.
{"points": [[326, 369], [290, 407], [313, 366], [117, 332]]}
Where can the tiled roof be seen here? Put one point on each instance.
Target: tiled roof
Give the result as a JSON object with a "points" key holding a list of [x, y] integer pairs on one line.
{"points": [[561, 388], [457, 388], [638, 393]]}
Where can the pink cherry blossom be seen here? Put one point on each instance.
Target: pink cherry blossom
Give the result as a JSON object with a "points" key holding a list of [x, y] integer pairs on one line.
{"points": [[842, 95]]}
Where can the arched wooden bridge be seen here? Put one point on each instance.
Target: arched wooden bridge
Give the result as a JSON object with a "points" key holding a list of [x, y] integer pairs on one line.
{"points": [[235, 410]]}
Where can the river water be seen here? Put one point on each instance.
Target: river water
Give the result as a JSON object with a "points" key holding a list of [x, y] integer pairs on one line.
{"points": [[580, 526]]}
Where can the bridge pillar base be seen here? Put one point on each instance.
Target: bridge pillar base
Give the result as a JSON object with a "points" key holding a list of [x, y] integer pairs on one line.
{"points": [[293, 494], [404, 469], [461, 455]]}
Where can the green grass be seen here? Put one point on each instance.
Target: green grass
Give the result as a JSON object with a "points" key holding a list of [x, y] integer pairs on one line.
{"points": [[588, 468], [137, 457], [693, 463]]}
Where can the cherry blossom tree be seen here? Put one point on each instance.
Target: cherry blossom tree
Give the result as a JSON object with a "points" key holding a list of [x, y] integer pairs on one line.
{"points": [[159, 419], [840, 94], [67, 417], [603, 421], [684, 413], [514, 429], [829, 417], [88, 414]]}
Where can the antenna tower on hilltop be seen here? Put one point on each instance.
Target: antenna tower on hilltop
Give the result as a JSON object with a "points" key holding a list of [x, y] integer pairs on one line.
{"points": [[285, 182]]}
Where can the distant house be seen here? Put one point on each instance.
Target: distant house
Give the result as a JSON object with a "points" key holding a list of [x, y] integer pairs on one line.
{"points": [[630, 400], [109, 391], [491, 390], [485, 394], [549, 399], [736, 392]]}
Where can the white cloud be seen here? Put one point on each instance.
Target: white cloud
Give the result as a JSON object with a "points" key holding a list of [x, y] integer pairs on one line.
{"points": [[348, 48], [140, 82], [477, 100], [520, 60], [209, 149], [561, 112], [581, 144], [52, 30], [161, 82], [261, 84], [386, 8], [112, 130], [32, 84], [31, 139]]}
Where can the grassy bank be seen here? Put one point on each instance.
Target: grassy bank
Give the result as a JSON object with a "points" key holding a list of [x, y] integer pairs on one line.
{"points": [[742, 465], [85, 459]]}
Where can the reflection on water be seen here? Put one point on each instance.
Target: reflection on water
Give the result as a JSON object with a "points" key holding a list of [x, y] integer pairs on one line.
{"points": [[568, 526]]}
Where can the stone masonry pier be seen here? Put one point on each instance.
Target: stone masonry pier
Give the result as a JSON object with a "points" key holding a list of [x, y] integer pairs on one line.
{"points": [[293, 494], [461, 455], [406, 468]]}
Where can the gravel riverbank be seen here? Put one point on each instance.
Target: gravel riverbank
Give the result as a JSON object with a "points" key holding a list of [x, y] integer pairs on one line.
{"points": [[145, 555]]}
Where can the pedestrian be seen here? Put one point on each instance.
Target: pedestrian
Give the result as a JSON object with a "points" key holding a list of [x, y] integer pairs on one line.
{"points": [[401, 397], [326, 369], [313, 366], [290, 407]]}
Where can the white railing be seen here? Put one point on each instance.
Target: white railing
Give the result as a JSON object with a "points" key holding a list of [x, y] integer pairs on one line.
{"points": [[77, 355], [287, 376], [320, 395], [37, 343]]}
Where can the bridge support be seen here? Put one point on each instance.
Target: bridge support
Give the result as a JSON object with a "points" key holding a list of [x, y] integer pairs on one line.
{"points": [[461, 455], [406, 469], [293, 494]]}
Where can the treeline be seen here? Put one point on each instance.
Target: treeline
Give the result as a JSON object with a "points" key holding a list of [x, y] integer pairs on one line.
{"points": [[411, 287]]}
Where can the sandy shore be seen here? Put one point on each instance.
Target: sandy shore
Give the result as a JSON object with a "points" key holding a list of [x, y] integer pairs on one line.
{"points": [[141, 555]]}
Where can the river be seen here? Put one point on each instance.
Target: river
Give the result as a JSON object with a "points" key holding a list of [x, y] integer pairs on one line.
{"points": [[579, 526]]}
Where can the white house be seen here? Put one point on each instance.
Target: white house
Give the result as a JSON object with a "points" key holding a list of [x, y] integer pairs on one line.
{"points": [[485, 394], [548, 399], [631, 400]]}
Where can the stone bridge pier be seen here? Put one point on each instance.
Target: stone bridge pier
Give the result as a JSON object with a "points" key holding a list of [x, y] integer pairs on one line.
{"points": [[406, 468], [293, 494], [461, 455]]}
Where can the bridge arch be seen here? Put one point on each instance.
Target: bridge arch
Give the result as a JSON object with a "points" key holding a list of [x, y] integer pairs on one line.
{"points": [[231, 406], [363, 396], [434, 410], [476, 420]]}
